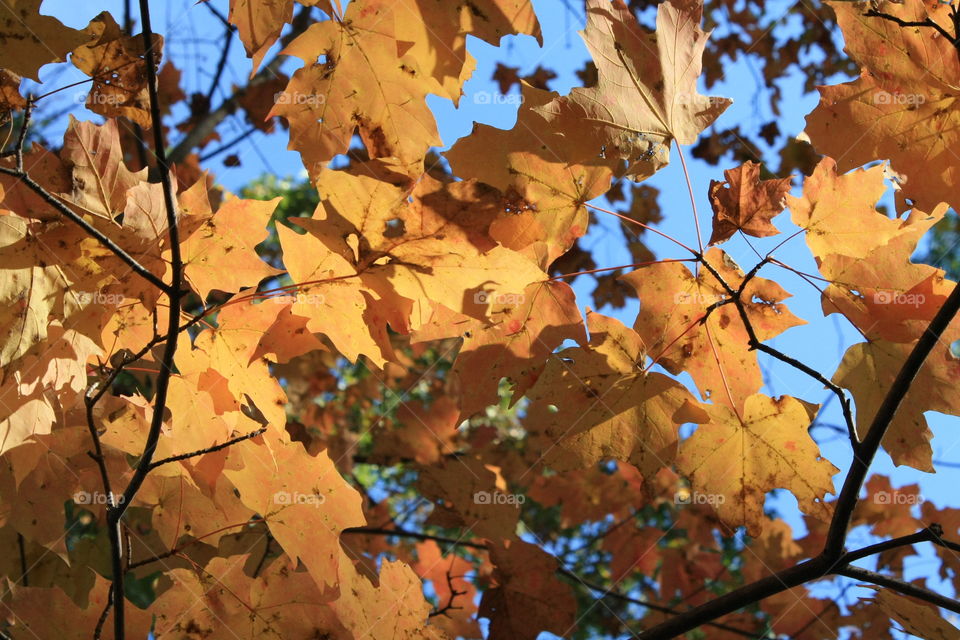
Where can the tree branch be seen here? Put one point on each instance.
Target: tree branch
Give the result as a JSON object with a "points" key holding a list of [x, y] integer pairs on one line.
{"points": [[200, 452], [207, 125], [832, 556], [863, 457], [416, 535], [873, 13], [115, 513], [899, 586], [755, 343]]}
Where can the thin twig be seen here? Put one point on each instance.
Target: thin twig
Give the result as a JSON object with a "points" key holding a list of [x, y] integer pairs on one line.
{"points": [[23, 561], [200, 452], [443, 611], [222, 62], [208, 123], [755, 343], [98, 630], [174, 294], [900, 586], [873, 13], [226, 146], [68, 213]]}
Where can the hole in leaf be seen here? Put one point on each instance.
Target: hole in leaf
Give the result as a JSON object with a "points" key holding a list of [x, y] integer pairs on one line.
{"points": [[394, 228]]}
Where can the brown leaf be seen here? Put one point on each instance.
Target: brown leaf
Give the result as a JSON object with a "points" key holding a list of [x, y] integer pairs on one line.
{"points": [[744, 202]]}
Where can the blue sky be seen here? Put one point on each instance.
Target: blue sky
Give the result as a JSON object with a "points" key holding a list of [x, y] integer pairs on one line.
{"points": [[193, 32]]}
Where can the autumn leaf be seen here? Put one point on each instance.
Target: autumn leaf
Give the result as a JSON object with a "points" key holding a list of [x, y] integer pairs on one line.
{"points": [[522, 331], [646, 95], [228, 237], [918, 618], [868, 369], [836, 208], [902, 108], [361, 84], [464, 490], [527, 597], [545, 177], [115, 62], [736, 458], [448, 575], [29, 39], [437, 34], [611, 407], [34, 606], [259, 24], [100, 178], [389, 254], [10, 97], [716, 352], [744, 202], [302, 498]]}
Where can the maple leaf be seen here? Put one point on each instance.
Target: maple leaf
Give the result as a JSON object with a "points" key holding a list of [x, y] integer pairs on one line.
{"points": [[219, 254], [735, 459], [302, 498], [30, 293], [524, 330], [51, 374], [463, 489], [29, 39], [717, 352], [646, 95], [222, 362], [746, 203], [361, 84], [259, 24], [903, 105], [220, 601], [10, 97], [527, 597], [447, 573], [868, 369], [382, 253], [34, 606], [422, 434], [918, 618], [633, 549], [835, 208], [436, 33], [116, 61], [611, 407], [544, 174], [884, 294], [99, 177]]}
